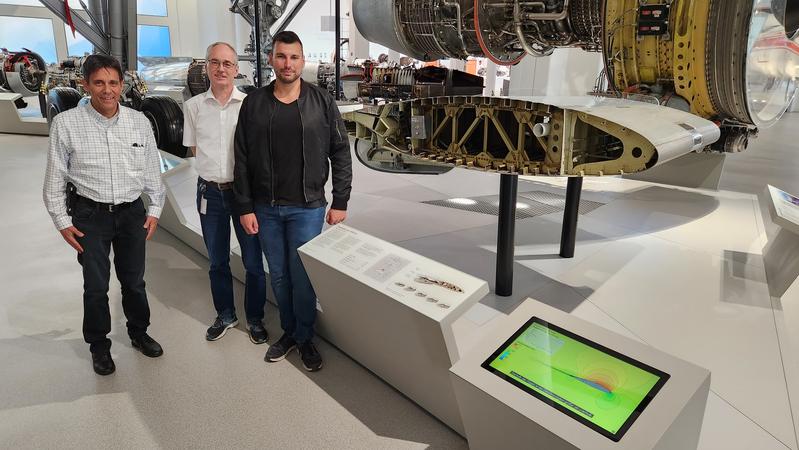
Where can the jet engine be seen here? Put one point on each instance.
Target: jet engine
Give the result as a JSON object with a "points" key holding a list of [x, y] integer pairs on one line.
{"points": [[715, 59], [22, 72]]}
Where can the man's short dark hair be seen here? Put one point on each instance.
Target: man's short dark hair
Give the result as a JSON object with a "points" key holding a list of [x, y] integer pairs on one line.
{"points": [[286, 37], [93, 63]]}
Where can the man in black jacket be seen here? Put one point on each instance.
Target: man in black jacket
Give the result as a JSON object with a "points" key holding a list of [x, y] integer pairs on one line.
{"points": [[286, 134]]}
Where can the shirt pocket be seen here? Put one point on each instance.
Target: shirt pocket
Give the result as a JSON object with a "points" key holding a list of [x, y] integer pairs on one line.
{"points": [[134, 154]]}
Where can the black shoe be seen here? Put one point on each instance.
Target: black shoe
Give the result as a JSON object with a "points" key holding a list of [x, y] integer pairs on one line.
{"points": [[257, 333], [147, 346], [311, 358], [103, 364], [219, 328], [280, 349]]}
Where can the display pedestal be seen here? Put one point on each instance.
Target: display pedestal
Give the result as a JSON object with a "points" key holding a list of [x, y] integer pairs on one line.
{"points": [[179, 215], [497, 414], [693, 170], [779, 255], [392, 311], [11, 122], [782, 264]]}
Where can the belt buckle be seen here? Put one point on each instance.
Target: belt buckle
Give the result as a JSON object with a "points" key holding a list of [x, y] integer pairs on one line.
{"points": [[110, 207]]}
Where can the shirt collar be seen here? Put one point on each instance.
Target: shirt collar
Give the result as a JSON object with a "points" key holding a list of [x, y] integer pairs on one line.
{"points": [[101, 118], [236, 95]]}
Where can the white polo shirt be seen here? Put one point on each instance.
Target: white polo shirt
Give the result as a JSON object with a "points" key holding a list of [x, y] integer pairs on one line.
{"points": [[210, 126]]}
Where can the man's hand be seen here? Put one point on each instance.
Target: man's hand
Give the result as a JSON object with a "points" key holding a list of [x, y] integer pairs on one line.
{"points": [[335, 216], [150, 225], [250, 223], [70, 235]]}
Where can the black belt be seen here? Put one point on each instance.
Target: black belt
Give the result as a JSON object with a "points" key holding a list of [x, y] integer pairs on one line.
{"points": [[217, 186], [105, 206]]}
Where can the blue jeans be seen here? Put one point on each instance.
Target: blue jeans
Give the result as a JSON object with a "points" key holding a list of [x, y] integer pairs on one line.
{"points": [[282, 230], [215, 224]]}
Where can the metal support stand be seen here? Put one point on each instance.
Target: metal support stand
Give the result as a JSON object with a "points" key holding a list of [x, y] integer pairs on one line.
{"points": [[508, 187], [571, 212], [337, 51], [258, 57]]}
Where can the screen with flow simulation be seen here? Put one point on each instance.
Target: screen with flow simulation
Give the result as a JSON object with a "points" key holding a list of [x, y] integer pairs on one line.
{"points": [[597, 386]]}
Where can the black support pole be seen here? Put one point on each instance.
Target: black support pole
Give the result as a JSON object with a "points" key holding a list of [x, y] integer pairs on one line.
{"points": [[508, 187], [568, 236], [258, 59], [338, 49]]}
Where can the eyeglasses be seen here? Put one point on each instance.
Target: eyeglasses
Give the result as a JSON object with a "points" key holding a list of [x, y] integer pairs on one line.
{"points": [[215, 63]]}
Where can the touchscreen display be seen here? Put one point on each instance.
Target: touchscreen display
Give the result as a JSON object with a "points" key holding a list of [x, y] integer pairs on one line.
{"points": [[598, 387]]}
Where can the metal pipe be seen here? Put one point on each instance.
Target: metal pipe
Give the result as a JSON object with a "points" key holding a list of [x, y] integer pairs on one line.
{"points": [[95, 12], [568, 236], [116, 32], [563, 14], [462, 41], [258, 56], [523, 39], [506, 228], [92, 32], [291, 15], [338, 50]]}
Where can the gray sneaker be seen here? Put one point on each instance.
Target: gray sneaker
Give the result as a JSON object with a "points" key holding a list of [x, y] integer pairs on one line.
{"points": [[219, 328]]}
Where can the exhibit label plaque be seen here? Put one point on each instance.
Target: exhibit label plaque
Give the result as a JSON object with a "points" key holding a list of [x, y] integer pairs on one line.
{"points": [[427, 286]]}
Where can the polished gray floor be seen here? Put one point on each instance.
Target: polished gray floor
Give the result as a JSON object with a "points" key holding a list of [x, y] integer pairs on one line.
{"points": [[199, 394], [212, 395]]}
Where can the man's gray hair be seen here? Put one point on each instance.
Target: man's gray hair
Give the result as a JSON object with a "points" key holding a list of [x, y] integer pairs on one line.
{"points": [[211, 47]]}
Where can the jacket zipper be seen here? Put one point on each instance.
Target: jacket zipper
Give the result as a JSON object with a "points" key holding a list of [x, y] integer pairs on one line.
{"points": [[271, 159], [304, 164]]}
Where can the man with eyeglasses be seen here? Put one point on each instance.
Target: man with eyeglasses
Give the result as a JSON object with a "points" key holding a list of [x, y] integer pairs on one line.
{"points": [[290, 137], [209, 126]]}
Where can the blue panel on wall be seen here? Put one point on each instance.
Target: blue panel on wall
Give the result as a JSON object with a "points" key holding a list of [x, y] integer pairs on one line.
{"points": [[151, 7], [154, 41]]}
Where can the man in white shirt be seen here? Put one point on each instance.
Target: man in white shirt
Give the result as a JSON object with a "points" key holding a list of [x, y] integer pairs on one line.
{"points": [[108, 153], [209, 125]]}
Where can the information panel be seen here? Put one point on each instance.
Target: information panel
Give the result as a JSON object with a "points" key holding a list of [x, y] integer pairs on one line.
{"points": [[786, 206], [599, 387], [422, 284]]}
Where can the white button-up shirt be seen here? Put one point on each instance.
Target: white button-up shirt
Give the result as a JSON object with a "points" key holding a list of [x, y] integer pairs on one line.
{"points": [[210, 126], [112, 160]]}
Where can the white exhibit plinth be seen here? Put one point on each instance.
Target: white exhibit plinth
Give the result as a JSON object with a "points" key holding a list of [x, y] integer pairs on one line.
{"points": [[779, 255], [11, 122], [392, 311], [497, 414]]}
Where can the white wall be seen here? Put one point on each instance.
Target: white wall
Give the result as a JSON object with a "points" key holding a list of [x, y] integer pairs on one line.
{"points": [[197, 27], [568, 71]]}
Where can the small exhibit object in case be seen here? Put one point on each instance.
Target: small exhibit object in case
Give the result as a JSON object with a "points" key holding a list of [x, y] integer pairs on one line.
{"points": [[596, 386]]}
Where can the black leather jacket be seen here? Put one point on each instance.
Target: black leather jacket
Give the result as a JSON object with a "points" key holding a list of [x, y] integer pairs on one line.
{"points": [[324, 139]]}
